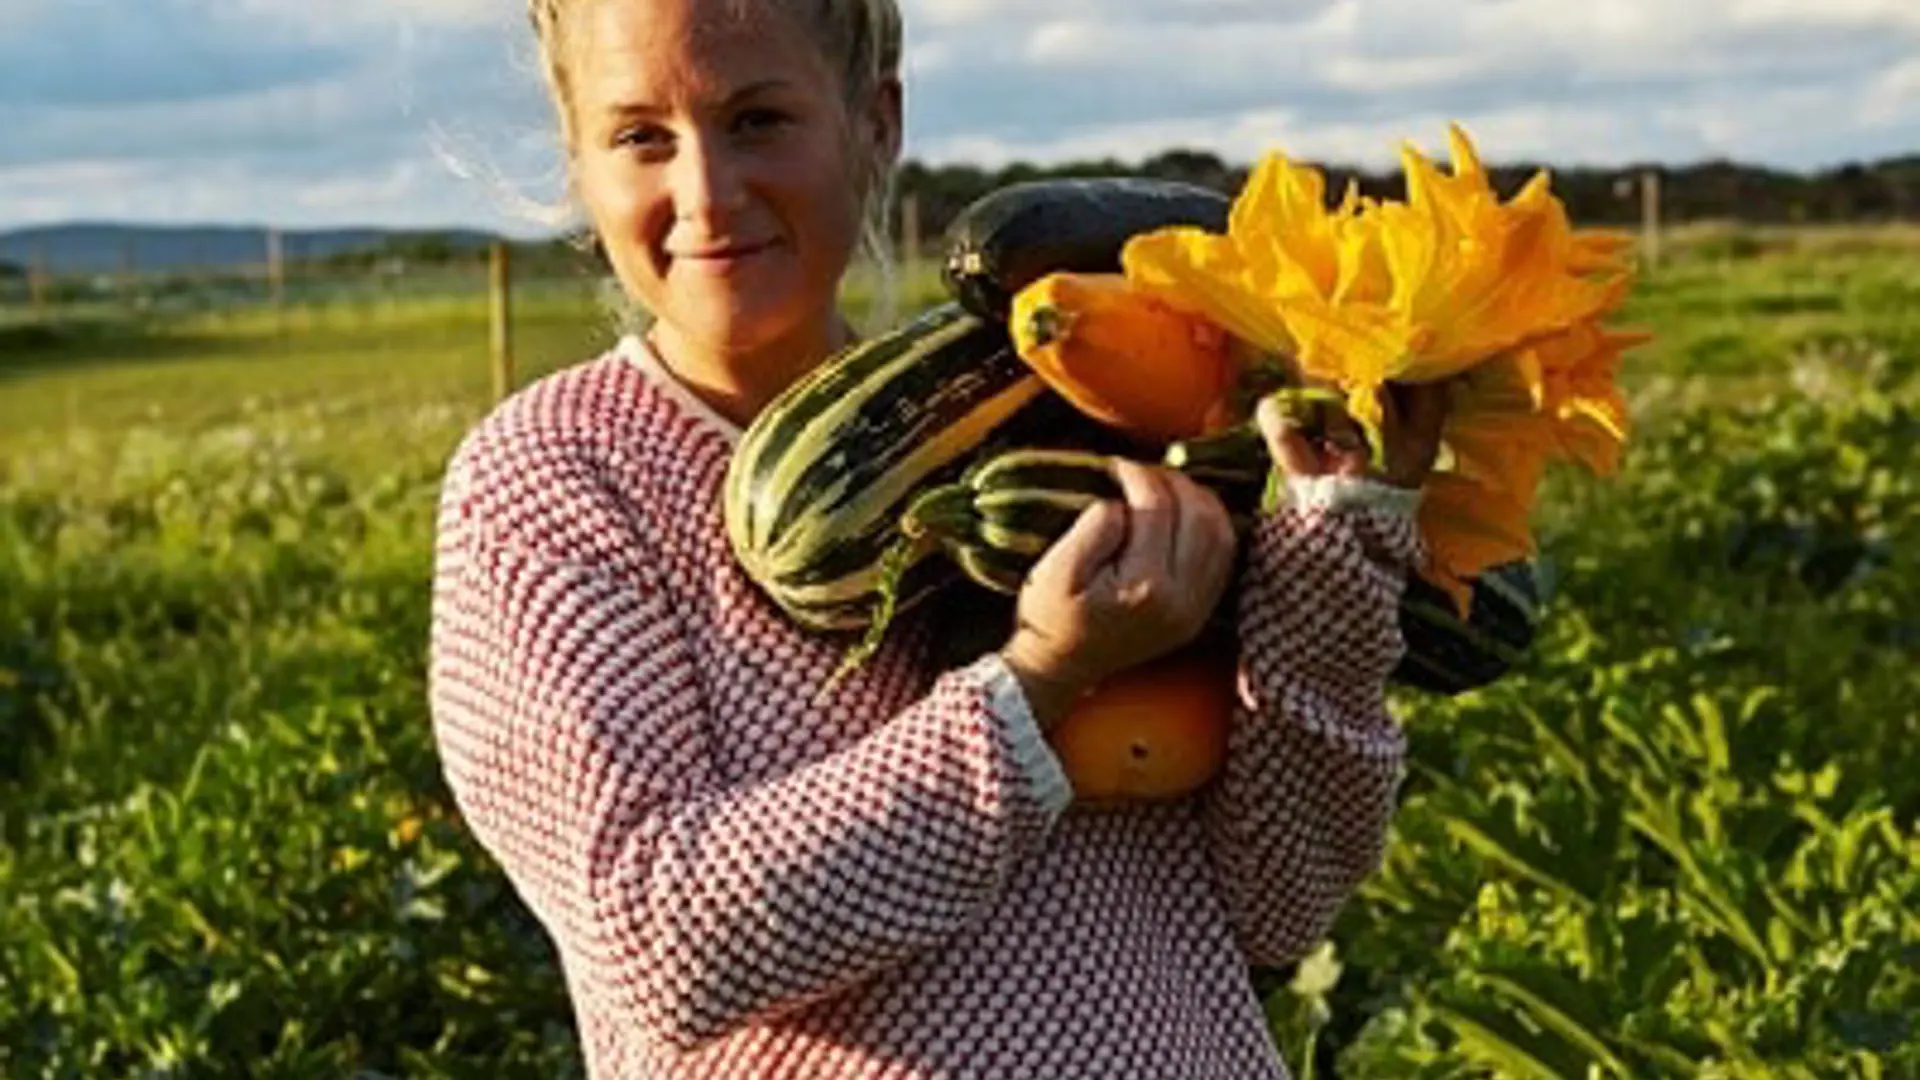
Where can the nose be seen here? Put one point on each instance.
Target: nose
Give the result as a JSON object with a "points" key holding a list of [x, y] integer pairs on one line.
{"points": [[706, 183]]}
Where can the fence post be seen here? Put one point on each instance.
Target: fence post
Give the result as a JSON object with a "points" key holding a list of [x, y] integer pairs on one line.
{"points": [[903, 278], [37, 284], [909, 231], [277, 280], [500, 295], [128, 301], [1650, 217]]}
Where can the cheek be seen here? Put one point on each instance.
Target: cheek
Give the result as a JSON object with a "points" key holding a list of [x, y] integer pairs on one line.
{"points": [[824, 195], [629, 213]]}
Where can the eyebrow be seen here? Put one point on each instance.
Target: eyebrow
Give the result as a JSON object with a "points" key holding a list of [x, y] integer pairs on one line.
{"points": [[633, 109]]}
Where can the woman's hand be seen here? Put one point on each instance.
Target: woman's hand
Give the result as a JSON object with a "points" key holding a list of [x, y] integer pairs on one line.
{"points": [[1415, 416], [1126, 584]]}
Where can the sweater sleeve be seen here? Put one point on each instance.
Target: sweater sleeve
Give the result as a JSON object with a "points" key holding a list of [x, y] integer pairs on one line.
{"points": [[573, 733], [1299, 815]]}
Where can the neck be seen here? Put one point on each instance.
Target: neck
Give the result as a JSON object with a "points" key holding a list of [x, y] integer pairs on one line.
{"points": [[738, 383]]}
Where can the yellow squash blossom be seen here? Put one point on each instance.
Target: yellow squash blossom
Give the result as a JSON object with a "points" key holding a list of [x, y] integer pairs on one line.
{"points": [[1451, 282]]}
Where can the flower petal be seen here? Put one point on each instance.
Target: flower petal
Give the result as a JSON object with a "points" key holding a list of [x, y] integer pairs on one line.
{"points": [[1468, 527], [1199, 272]]}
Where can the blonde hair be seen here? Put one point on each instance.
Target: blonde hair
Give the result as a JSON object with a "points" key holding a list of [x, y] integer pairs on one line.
{"points": [[861, 38]]}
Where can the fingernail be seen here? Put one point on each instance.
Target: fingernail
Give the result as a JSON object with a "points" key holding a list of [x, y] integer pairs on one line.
{"points": [[1271, 417]]}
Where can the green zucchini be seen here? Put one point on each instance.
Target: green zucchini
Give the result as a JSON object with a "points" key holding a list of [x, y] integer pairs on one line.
{"points": [[817, 486], [1019, 234], [1448, 655]]}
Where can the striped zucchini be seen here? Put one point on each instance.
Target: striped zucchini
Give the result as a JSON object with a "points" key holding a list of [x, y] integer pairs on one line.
{"points": [[1007, 510], [1445, 653], [817, 486]]}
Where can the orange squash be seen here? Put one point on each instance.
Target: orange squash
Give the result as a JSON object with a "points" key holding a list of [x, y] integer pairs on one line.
{"points": [[1124, 357], [1155, 732]]}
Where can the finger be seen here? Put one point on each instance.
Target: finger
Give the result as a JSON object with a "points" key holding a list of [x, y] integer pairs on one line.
{"points": [[1194, 534], [1422, 417], [1427, 409], [1151, 518], [1207, 544], [1071, 565], [1286, 442], [1347, 452]]}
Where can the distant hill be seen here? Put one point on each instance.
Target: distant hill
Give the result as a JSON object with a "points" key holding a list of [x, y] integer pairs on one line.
{"points": [[1878, 191], [89, 248]]}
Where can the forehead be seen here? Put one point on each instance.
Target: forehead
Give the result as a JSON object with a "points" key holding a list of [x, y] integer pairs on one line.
{"points": [[662, 50]]}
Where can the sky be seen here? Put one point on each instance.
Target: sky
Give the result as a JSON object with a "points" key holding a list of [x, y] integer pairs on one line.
{"points": [[428, 113]]}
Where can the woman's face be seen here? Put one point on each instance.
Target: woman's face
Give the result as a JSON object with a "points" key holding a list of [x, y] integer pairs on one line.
{"points": [[718, 160]]}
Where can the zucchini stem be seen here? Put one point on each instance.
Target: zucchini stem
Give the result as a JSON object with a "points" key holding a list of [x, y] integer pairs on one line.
{"points": [[942, 513], [894, 565]]}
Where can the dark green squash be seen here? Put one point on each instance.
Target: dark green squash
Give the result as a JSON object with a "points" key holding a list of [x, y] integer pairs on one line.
{"points": [[1019, 234]]}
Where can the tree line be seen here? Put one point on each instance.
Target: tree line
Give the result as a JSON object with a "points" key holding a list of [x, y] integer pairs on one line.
{"points": [[1881, 191]]}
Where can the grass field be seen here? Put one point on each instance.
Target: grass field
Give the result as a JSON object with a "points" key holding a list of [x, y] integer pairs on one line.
{"points": [[1680, 842]]}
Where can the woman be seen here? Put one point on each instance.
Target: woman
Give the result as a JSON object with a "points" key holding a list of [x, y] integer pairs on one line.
{"points": [[744, 881]]}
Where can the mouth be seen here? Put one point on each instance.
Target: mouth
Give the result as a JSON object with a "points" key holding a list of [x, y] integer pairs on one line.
{"points": [[720, 256]]}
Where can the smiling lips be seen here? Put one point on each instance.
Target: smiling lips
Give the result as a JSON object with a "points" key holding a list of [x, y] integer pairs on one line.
{"points": [[721, 255]]}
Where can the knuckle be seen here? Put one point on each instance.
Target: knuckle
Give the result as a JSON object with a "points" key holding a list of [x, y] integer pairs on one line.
{"points": [[1147, 595], [1149, 489], [1153, 499]]}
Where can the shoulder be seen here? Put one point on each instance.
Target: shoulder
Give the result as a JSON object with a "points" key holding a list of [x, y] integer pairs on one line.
{"points": [[550, 469]]}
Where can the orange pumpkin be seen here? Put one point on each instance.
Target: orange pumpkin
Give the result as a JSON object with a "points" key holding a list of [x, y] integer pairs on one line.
{"points": [[1124, 357], [1155, 732]]}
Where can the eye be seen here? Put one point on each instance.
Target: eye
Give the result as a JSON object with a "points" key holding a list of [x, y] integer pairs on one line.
{"points": [[643, 137], [759, 121]]}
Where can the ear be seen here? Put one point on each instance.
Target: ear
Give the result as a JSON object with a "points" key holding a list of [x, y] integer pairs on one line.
{"points": [[886, 117]]}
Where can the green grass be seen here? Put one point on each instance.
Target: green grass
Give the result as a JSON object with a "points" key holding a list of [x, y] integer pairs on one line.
{"points": [[362, 367], [1681, 835]]}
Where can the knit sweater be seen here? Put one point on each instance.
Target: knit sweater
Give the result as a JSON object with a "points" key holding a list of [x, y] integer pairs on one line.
{"points": [[747, 879]]}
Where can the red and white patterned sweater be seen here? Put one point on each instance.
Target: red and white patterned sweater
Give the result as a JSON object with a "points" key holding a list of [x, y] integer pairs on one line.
{"points": [[746, 883]]}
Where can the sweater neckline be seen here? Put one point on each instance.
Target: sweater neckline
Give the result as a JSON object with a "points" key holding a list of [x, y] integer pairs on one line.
{"points": [[634, 350]]}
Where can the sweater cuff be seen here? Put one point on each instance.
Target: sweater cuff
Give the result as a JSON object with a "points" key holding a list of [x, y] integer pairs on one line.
{"points": [[1036, 759], [1329, 492]]}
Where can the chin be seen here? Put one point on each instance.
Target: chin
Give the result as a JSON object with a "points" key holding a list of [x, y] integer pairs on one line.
{"points": [[742, 319], [741, 325]]}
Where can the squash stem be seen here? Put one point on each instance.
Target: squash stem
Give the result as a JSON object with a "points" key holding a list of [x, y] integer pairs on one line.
{"points": [[1047, 325], [1239, 454], [1236, 453], [894, 565], [942, 513]]}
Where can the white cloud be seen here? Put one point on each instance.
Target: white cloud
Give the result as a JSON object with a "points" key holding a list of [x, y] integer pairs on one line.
{"points": [[1894, 96], [305, 112], [1870, 14], [1561, 136], [347, 15]]}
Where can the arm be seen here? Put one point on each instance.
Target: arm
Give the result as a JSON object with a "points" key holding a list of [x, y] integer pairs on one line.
{"points": [[573, 734], [1299, 816]]}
